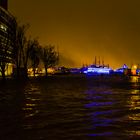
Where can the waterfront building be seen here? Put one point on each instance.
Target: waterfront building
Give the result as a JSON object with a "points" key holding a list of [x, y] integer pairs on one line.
{"points": [[7, 38], [4, 4]]}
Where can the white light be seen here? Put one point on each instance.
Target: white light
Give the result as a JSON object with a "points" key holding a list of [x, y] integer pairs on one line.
{"points": [[98, 70], [3, 27]]}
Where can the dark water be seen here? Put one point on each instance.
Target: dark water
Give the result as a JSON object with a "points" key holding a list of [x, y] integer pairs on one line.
{"points": [[70, 108]]}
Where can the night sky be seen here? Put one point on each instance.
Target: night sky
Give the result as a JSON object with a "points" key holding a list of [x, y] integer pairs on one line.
{"points": [[83, 29]]}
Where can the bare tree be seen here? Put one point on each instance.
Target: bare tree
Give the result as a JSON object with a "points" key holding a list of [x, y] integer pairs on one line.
{"points": [[49, 57], [34, 54], [21, 49]]}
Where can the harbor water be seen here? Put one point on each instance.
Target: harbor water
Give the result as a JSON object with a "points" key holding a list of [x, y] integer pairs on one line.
{"points": [[70, 107]]}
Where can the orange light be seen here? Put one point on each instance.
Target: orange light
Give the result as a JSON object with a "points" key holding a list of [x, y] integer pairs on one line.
{"points": [[134, 67]]}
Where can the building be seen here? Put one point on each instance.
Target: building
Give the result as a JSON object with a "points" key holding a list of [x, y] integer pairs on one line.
{"points": [[7, 32], [4, 4]]}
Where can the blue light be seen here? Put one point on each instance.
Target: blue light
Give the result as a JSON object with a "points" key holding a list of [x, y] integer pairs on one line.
{"points": [[98, 104], [101, 134], [125, 66], [102, 70], [85, 71]]}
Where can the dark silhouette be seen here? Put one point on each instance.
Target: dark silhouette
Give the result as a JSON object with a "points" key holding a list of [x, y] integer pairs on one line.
{"points": [[34, 54], [20, 50], [23, 50], [49, 57]]}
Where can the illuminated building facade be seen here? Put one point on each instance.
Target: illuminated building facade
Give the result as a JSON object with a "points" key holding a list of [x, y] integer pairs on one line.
{"points": [[7, 32]]}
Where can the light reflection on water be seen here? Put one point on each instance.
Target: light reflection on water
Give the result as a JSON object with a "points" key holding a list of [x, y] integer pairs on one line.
{"points": [[134, 117], [31, 106], [114, 109], [33, 99], [70, 107]]}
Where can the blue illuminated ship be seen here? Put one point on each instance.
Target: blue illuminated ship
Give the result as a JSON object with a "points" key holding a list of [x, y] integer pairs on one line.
{"points": [[97, 69]]}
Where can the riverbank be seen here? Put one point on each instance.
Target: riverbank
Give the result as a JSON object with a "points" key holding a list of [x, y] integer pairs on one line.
{"points": [[98, 78]]}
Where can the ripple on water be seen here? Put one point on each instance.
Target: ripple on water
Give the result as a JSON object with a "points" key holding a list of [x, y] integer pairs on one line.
{"points": [[69, 108]]}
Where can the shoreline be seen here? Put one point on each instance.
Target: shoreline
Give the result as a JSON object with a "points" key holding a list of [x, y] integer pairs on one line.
{"points": [[97, 78]]}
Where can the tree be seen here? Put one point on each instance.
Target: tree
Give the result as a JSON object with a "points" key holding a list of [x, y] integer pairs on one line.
{"points": [[49, 57], [34, 53], [25, 55], [21, 49], [30, 51]]}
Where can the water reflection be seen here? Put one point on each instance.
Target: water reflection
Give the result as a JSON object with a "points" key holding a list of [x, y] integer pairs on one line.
{"points": [[134, 115], [135, 100], [100, 105], [113, 110], [70, 108], [32, 101], [11, 114], [134, 79]]}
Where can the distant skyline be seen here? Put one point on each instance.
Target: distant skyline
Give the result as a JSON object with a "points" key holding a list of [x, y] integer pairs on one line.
{"points": [[83, 29]]}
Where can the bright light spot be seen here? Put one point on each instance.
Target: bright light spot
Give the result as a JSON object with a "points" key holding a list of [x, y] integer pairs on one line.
{"points": [[98, 70], [134, 67], [51, 70], [3, 27]]}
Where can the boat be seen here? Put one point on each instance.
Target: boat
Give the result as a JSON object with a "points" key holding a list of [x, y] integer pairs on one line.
{"points": [[98, 70]]}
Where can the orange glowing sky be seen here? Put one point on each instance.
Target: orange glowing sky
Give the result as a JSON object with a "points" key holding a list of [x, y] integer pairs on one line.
{"points": [[83, 29]]}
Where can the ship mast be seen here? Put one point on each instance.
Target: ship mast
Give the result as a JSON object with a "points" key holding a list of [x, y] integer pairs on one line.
{"points": [[99, 61], [95, 61]]}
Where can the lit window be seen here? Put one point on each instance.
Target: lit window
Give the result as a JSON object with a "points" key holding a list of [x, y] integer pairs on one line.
{"points": [[3, 27]]}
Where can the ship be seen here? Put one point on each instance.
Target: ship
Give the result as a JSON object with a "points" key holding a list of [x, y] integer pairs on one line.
{"points": [[98, 69]]}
